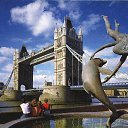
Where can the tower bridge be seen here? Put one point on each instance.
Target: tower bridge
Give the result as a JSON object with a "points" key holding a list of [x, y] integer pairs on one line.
{"points": [[66, 66]]}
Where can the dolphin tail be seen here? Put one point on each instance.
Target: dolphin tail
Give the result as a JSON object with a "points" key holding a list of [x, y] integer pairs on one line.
{"points": [[114, 116]]}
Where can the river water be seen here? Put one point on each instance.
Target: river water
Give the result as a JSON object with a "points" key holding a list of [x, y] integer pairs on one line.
{"points": [[9, 106]]}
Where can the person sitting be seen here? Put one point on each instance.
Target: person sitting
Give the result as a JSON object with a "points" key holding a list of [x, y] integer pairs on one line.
{"points": [[34, 102], [26, 109], [46, 107], [36, 108]]}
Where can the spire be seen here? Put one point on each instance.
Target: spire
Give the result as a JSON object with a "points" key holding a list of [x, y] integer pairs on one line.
{"points": [[55, 31], [64, 24], [80, 33], [65, 27], [23, 51]]}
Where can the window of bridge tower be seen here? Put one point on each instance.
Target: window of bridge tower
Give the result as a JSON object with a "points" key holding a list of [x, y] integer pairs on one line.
{"points": [[22, 87]]}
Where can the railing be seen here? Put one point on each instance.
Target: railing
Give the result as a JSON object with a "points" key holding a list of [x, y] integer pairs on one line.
{"points": [[120, 84], [42, 58], [123, 85], [115, 100], [35, 89], [36, 53], [45, 49]]}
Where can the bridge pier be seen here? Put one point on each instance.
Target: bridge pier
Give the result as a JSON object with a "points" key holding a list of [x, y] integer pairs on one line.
{"points": [[11, 95], [63, 95], [56, 94]]}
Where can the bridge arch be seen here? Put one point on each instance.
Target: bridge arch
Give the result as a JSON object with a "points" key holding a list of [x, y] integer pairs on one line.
{"points": [[22, 87]]}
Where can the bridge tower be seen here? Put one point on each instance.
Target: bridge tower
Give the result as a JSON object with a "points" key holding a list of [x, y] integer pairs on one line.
{"points": [[23, 72], [67, 68]]}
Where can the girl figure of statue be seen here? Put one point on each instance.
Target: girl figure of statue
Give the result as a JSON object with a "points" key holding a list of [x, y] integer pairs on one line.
{"points": [[120, 45]]}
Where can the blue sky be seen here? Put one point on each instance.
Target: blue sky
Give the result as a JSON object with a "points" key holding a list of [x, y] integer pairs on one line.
{"points": [[32, 23]]}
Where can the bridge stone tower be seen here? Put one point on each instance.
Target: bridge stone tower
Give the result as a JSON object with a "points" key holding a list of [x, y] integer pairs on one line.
{"points": [[67, 69], [23, 72]]}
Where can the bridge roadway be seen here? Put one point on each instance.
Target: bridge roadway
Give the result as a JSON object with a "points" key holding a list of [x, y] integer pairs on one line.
{"points": [[107, 86], [43, 55]]}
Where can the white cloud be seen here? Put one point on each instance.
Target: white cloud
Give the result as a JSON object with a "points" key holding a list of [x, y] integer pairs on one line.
{"points": [[39, 80], [88, 51], [6, 61], [123, 76], [40, 46], [87, 54], [35, 17], [30, 13], [44, 72], [125, 64], [108, 52], [3, 59], [45, 22], [91, 23], [112, 62], [75, 14], [8, 68], [62, 5], [6, 51], [3, 77], [71, 7], [20, 40]]}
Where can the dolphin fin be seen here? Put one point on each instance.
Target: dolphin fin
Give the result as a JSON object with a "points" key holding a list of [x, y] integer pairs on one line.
{"points": [[114, 116]]}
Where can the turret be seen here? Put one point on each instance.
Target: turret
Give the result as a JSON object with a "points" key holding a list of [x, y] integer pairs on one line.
{"points": [[55, 33], [16, 55], [80, 34], [23, 52], [64, 27]]}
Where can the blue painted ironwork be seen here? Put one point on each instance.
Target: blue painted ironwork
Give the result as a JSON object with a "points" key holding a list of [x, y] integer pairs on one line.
{"points": [[120, 85]]}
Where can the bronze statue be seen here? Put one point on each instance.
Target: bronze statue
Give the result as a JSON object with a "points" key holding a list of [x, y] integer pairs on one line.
{"points": [[120, 45], [92, 84]]}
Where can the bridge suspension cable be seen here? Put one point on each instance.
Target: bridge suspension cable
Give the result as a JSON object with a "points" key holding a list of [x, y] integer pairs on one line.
{"points": [[80, 59], [8, 81], [78, 56], [75, 54]]}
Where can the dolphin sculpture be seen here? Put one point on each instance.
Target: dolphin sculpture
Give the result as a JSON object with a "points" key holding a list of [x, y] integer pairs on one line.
{"points": [[92, 84]]}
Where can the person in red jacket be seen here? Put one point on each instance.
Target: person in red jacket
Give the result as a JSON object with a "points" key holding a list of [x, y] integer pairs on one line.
{"points": [[46, 107]]}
